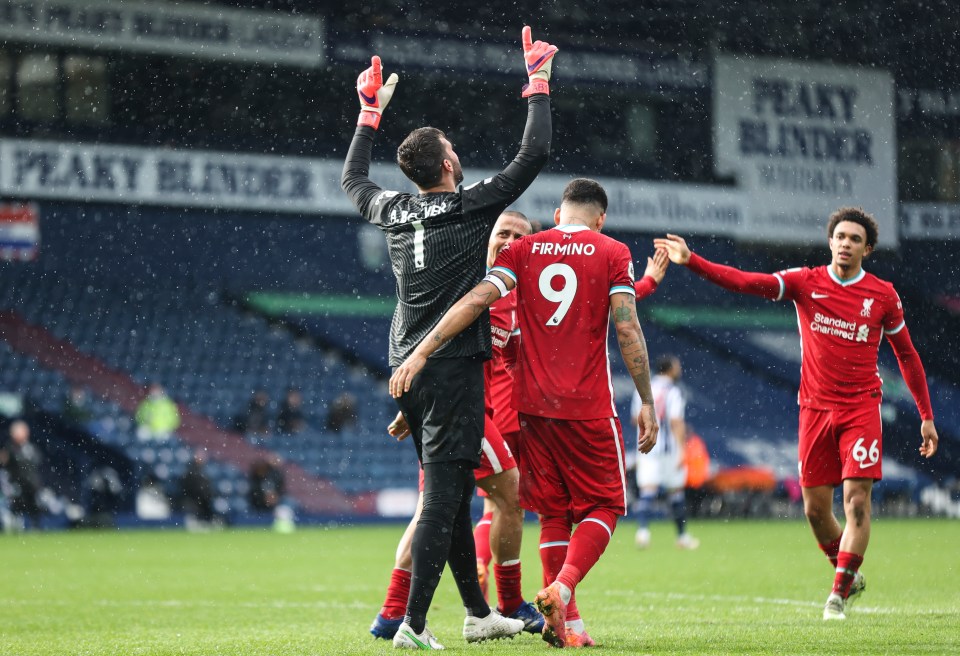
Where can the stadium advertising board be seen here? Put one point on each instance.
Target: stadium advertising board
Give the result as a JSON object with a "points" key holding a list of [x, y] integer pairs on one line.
{"points": [[643, 206], [90, 172], [189, 30], [19, 231], [640, 70], [918, 104], [930, 221], [803, 139]]}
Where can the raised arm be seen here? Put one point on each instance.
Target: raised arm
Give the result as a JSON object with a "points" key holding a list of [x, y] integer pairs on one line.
{"points": [[463, 313], [504, 188], [759, 284], [374, 96], [633, 349], [653, 274], [916, 379]]}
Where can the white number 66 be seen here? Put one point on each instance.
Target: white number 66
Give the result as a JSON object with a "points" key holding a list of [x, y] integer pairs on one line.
{"points": [[866, 458]]}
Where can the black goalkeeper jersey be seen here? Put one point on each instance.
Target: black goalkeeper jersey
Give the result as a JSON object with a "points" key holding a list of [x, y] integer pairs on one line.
{"points": [[438, 241]]}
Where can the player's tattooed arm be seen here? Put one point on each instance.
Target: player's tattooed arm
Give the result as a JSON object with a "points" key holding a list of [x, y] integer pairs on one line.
{"points": [[478, 300], [622, 313], [633, 346], [463, 313]]}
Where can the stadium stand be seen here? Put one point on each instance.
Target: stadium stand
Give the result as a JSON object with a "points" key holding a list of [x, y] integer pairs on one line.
{"points": [[217, 303]]}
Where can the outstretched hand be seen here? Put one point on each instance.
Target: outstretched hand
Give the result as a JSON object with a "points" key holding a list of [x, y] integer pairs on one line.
{"points": [[374, 94], [647, 422], [538, 55], [538, 58], [930, 438], [403, 376], [675, 247], [657, 265], [399, 428]]}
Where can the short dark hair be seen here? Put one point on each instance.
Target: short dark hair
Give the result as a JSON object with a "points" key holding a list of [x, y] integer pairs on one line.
{"points": [[515, 214], [421, 156], [665, 363], [584, 191], [855, 215], [520, 216]]}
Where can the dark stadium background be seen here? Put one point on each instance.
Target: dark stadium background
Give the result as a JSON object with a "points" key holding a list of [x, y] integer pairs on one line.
{"points": [[216, 302]]}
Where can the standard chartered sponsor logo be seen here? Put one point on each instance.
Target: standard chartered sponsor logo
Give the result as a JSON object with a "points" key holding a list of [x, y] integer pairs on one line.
{"points": [[500, 336], [839, 328]]}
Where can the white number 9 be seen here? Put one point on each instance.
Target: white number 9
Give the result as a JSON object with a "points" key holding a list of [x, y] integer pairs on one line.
{"points": [[563, 296]]}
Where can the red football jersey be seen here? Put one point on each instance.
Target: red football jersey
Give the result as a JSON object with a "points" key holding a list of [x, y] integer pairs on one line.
{"points": [[841, 325], [497, 381], [565, 277]]}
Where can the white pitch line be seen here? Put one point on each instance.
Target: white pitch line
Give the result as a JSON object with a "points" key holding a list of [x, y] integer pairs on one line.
{"points": [[191, 603], [767, 601]]}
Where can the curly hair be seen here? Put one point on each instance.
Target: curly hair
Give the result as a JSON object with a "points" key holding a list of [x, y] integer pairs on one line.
{"points": [[855, 215]]}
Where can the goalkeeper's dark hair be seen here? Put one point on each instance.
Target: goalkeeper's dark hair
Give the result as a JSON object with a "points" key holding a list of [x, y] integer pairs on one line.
{"points": [[855, 215], [421, 156], [584, 191]]}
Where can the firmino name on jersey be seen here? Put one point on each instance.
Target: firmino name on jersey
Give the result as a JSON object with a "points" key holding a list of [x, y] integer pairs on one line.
{"points": [[545, 248]]}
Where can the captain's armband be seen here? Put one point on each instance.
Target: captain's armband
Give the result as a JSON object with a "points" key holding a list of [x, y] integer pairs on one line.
{"points": [[496, 282]]}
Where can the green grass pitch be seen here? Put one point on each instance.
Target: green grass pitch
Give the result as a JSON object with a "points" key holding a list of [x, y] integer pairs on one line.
{"points": [[752, 588]]}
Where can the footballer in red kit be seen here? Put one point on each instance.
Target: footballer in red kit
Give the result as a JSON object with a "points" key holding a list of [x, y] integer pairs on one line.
{"points": [[505, 334], [562, 370], [569, 282], [843, 313]]}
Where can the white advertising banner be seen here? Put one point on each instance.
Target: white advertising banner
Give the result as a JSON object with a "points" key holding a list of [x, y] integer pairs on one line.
{"points": [[190, 30], [803, 139], [643, 206], [124, 174], [931, 221], [651, 70]]}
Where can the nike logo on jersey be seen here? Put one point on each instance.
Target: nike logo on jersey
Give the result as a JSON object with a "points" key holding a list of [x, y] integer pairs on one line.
{"points": [[817, 295]]}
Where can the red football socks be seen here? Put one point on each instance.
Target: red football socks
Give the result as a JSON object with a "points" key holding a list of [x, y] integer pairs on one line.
{"points": [[481, 539], [847, 566], [395, 605], [830, 550], [554, 539], [509, 593], [587, 544]]}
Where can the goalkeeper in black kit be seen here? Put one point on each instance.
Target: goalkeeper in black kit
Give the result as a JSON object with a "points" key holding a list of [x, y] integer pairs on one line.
{"points": [[437, 244]]}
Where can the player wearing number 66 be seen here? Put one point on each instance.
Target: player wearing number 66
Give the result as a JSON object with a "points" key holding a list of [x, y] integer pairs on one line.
{"points": [[436, 239], [843, 313], [569, 281]]}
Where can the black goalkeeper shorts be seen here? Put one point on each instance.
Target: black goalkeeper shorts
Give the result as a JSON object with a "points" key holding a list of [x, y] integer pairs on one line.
{"points": [[444, 409]]}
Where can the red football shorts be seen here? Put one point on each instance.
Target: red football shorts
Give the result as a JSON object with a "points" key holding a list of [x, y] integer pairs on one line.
{"points": [[495, 455], [569, 467], [840, 444]]}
